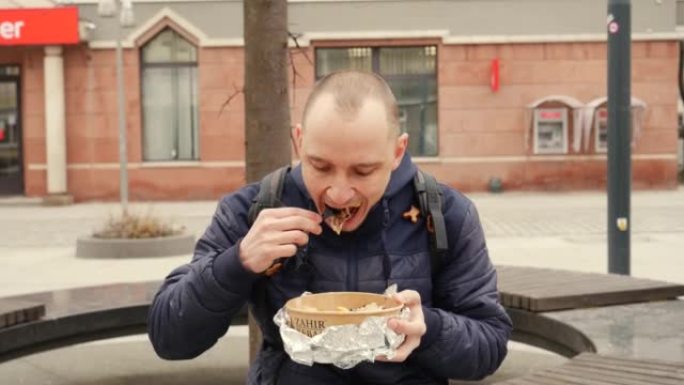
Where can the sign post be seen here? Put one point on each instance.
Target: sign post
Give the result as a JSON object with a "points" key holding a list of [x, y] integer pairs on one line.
{"points": [[619, 135], [108, 8]]}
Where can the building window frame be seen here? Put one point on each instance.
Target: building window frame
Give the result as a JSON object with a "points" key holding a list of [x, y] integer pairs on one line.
{"points": [[173, 68], [419, 143]]}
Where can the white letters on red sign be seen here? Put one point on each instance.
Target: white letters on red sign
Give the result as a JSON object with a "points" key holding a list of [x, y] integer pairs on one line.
{"points": [[10, 30]]}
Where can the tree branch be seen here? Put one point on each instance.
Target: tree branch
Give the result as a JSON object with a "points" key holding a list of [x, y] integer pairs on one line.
{"points": [[294, 36], [237, 91]]}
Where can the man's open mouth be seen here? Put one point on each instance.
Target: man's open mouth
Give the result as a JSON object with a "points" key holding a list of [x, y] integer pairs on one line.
{"points": [[337, 217]]}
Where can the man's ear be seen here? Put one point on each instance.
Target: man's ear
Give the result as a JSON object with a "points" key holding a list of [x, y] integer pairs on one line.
{"points": [[297, 134], [399, 150]]}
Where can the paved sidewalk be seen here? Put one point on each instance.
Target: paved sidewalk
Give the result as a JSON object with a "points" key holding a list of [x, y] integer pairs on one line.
{"points": [[556, 230], [568, 231]]}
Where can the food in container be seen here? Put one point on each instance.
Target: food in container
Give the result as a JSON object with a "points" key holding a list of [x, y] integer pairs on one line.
{"points": [[312, 313]]}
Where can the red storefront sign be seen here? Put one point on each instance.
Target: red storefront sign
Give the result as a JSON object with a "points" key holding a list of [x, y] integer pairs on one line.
{"points": [[551, 115], [39, 26]]}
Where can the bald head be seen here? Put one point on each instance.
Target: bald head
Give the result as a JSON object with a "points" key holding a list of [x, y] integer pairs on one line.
{"points": [[350, 90]]}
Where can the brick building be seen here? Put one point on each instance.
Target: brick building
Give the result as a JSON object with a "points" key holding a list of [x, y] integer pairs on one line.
{"points": [[508, 89]]}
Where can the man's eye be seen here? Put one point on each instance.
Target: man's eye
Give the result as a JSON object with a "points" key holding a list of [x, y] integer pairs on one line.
{"points": [[363, 172], [321, 168]]}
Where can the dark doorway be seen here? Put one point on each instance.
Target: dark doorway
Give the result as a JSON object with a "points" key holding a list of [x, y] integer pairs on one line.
{"points": [[11, 165]]}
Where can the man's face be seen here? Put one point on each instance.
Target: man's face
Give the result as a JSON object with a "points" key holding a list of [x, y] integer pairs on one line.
{"points": [[347, 161]]}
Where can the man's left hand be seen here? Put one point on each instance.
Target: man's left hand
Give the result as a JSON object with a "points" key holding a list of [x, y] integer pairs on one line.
{"points": [[413, 328]]}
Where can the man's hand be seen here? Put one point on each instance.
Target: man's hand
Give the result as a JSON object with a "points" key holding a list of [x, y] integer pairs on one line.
{"points": [[413, 328], [276, 233]]}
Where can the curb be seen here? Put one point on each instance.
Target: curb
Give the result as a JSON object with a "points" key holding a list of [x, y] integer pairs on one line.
{"points": [[90, 247]]}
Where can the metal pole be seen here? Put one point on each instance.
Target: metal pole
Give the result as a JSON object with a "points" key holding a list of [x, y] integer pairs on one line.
{"points": [[121, 93], [619, 135]]}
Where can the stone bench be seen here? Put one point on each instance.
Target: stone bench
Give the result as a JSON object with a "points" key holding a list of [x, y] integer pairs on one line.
{"points": [[571, 312], [84, 314], [557, 320], [78, 315]]}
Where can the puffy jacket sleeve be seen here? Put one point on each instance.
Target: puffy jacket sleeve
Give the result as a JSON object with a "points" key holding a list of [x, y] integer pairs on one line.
{"points": [[197, 301], [467, 328]]}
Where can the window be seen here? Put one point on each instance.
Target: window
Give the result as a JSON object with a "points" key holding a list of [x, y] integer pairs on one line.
{"points": [[169, 98], [551, 131], [410, 72], [9, 70]]}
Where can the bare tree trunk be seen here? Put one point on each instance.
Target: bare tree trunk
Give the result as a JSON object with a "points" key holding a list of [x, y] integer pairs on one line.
{"points": [[267, 112]]}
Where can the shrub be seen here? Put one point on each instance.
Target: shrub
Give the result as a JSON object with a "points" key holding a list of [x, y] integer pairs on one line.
{"points": [[137, 226]]}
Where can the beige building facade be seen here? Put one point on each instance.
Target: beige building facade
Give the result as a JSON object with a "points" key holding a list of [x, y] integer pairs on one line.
{"points": [[489, 90]]}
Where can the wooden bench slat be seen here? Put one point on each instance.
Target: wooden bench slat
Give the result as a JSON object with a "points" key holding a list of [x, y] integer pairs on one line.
{"points": [[589, 358], [539, 381], [615, 375], [653, 376], [533, 278], [587, 283], [537, 289], [541, 378], [594, 369], [510, 299], [13, 312], [600, 299], [561, 378], [590, 285]]}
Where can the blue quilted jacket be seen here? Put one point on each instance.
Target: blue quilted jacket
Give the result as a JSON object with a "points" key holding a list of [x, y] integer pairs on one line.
{"points": [[467, 329]]}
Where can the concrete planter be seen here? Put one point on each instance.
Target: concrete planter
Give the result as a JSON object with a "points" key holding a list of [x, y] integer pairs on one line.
{"points": [[90, 247]]}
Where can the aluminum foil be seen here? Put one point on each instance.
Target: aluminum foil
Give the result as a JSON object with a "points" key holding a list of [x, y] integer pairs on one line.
{"points": [[344, 346]]}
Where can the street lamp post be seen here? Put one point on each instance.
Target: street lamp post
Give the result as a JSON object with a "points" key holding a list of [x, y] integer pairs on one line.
{"points": [[108, 8]]}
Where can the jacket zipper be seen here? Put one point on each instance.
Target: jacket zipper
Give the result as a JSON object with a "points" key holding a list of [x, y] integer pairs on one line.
{"points": [[352, 267]]}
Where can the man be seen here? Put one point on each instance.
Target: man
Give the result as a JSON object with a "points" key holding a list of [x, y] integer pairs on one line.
{"points": [[354, 163]]}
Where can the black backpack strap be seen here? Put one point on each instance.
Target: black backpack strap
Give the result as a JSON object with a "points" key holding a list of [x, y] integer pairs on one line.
{"points": [[270, 191], [430, 200]]}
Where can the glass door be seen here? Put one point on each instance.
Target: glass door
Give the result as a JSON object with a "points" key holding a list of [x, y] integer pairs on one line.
{"points": [[11, 167]]}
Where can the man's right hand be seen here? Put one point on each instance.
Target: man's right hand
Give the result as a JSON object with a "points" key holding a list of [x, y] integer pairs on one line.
{"points": [[276, 233]]}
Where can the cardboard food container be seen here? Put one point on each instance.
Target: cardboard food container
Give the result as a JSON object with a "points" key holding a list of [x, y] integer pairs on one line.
{"points": [[310, 314]]}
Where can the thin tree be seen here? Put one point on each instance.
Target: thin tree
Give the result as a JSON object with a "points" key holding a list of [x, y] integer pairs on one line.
{"points": [[267, 112]]}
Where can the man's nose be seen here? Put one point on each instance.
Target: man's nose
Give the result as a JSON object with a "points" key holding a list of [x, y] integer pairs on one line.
{"points": [[340, 194]]}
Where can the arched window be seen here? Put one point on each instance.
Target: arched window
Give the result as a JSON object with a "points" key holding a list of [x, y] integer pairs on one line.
{"points": [[169, 98]]}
